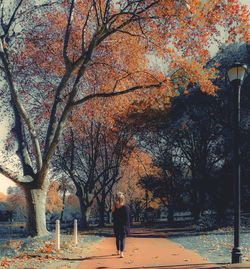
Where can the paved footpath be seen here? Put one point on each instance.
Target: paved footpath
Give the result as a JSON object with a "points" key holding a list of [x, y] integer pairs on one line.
{"points": [[146, 252]]}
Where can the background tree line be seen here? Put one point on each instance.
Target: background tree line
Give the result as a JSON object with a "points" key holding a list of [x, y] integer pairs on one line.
{"points": [[178, 157], [193, 146]]}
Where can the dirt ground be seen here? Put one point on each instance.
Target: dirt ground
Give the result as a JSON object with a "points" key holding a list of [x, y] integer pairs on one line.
{"points": [[143, 253], [143, 249]]}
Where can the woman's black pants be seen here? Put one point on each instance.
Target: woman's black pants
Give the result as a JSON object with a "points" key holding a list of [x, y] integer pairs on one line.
{"points": [[120, 241]]}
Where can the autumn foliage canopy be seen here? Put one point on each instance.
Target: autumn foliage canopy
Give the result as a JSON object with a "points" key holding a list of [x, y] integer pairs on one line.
{"points": [[59, 56], [129, 43]]}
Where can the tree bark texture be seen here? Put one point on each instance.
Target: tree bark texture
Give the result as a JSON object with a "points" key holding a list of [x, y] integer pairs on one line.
{"points": [[85, 214], [36, 209]]}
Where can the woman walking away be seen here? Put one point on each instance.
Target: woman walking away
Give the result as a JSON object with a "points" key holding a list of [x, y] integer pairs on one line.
{"points": [[121, 222]]}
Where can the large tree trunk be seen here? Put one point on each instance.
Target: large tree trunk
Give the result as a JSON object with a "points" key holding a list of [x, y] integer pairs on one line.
{"points": [[170, 213], [63, 200], [101, 213], [36, 209], [85, 214], [196, 208], [85, 200], [110, 217]]}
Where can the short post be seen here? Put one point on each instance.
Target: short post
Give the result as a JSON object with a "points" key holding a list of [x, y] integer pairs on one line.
{"points": [[57, 234], [75, 232]]}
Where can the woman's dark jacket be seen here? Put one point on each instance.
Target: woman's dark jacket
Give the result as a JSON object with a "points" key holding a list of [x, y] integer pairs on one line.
{"points": [[121, 220]]}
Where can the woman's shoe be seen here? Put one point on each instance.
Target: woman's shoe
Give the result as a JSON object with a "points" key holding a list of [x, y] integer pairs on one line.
{"points": [[122, 254], [118, 252]]}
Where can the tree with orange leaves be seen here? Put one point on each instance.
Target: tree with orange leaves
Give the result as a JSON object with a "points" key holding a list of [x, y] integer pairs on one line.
{"points": [[56, 56], [91, 156], [16, 204], [139, 165]]}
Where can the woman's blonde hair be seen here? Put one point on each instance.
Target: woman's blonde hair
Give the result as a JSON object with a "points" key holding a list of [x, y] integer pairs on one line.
{"points": [[120, 198]]}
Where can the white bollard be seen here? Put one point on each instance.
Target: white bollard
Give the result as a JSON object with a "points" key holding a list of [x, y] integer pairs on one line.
{"points": [[57, 234], [75, 232]]}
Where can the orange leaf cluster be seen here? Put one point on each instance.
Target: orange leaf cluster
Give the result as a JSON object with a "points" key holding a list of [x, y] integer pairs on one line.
{"points": [[47, 248], [177, 33], [5, 262], [54, 201], [15, 244], [136, 166], [121, 60], [73, 201], [17, 201]]}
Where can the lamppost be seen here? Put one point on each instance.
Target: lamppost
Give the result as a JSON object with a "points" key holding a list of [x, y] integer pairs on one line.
{"points": [[236, 76]]}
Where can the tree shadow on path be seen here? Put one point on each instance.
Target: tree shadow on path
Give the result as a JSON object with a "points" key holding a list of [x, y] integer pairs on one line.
{"points": [[183, 266], [148, 232], [97, 257]]}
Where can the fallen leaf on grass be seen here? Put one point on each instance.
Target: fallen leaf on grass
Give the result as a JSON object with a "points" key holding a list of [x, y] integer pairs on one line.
{"points": [[5, 262]]}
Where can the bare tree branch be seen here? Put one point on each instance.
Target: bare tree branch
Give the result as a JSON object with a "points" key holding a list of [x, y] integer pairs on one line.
{"points": [[9, 174], [106, 11], [96, 13], [84, 29], [104, 95], [67, 34], [13, 17], [23, 115], [15, 177]]}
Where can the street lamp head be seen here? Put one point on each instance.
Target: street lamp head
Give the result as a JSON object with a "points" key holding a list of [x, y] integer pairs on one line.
{"points": [[236, 73]]}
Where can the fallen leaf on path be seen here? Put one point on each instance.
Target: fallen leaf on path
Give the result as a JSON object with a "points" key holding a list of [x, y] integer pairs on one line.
{"points": [[129, 261]]}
